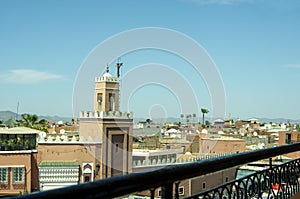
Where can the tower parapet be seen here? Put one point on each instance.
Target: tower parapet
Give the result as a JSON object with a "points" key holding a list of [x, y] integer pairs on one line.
{"points": [[107, 79], [106, 114]]}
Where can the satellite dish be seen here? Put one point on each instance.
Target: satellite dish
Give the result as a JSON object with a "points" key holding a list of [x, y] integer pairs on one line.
{"points": [[261, 145], [42, 134], [204, 131]]}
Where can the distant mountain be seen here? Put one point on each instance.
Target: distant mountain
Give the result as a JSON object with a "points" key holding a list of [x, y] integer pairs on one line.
{"points": [[6, 115], [278, 120], [56, 118], [197, 119], [162, 120]]}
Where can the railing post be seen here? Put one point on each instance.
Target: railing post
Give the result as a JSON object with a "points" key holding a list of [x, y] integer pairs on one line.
{"points": [[152, 193], [167, 191], [176, 190]]}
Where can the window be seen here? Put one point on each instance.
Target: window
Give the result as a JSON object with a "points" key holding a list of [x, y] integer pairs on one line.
{"points": [[3, 174], [18, 174], [159, 193], [288, 138], [111, 101], [226, 179], [181, 190], [117, 148], [203, 185], [87, 178], [99, 100]]}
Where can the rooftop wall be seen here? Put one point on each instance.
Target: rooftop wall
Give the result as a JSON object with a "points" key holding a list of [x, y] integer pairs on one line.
{"points": [[168, 161]]}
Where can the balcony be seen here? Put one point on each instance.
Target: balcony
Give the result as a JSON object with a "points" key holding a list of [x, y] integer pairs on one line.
{"points": [[280, 181]]}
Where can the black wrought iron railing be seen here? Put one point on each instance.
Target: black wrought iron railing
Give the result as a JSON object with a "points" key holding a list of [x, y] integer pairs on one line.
{"points": [[277, 181], [280, 181]]}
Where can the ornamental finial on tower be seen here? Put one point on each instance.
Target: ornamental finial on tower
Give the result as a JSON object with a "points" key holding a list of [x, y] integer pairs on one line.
{"points": [[107, 68]]}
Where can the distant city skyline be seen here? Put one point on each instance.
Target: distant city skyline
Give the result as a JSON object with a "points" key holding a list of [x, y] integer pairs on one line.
{"points": [[253, 43]]}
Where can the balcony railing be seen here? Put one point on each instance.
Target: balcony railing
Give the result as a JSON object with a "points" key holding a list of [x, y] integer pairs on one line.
{"points": [[277, 181], [280, 181]]}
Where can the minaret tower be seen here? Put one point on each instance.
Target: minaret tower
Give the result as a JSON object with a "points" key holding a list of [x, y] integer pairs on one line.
{"points": [[108, 128]]}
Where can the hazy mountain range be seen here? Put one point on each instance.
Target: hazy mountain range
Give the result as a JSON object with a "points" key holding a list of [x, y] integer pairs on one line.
{"points": [[261, 120], [5, 115]]}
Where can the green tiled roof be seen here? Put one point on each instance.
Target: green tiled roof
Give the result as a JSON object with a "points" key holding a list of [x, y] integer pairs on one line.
{"points": [[58, 164]]}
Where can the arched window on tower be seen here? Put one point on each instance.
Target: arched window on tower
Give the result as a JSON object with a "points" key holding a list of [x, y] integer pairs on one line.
{"points": [[112, 102], [99, 101]]}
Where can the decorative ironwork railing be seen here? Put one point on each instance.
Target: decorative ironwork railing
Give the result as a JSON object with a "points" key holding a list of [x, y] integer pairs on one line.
{"points": [[168, 178], [280, 181]]}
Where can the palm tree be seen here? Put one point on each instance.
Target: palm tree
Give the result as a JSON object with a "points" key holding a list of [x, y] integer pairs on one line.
{"points": [[32, 121], [194, 117], [181, 116], [188, 116], [204, 111], [29, 120], [207, 123]]}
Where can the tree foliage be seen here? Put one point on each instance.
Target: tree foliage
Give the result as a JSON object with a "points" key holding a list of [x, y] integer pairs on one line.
{"points": [[10, 122], [204, 111], [32, 121], [148, 121], [298, 127]]}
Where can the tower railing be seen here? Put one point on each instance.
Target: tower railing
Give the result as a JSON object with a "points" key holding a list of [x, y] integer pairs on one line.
{"points": [[167, 179]]}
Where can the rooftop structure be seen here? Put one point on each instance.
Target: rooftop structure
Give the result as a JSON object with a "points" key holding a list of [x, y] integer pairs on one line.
{"points": [[19, 138]]}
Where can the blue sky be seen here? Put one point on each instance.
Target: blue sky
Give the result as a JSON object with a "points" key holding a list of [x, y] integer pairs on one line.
{"points": [[255, 45]]}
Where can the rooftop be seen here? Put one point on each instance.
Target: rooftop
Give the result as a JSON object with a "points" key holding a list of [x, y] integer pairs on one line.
{"points": [[147, 152], [221, 138], [152, 131], [19, 130]]}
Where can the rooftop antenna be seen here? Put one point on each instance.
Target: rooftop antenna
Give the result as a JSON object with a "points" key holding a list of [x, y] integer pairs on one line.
{"points": [[17, 115], [229, 116], [118, 65]]}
